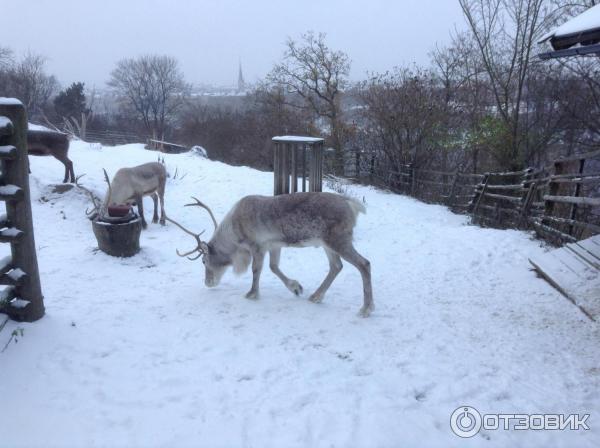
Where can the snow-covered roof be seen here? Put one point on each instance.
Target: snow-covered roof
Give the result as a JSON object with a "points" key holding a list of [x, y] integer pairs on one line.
{"points": [[296, 139], [584, 22]]}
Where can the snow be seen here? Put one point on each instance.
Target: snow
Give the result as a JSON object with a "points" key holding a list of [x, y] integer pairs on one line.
{"points": [[39, 127], [10, 102], [5, 122], [138, 352], [586, 21], [9, 190], [297, 139]]}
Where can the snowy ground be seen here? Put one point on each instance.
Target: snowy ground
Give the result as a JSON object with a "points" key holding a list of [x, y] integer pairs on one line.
{"points": [[137, 352]]}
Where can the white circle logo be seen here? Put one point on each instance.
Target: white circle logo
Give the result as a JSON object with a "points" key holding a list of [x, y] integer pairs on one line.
{"points": [[465, 421]]}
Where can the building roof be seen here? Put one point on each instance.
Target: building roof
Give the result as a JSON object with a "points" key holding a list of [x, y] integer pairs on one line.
{"points": [[578, 36]]}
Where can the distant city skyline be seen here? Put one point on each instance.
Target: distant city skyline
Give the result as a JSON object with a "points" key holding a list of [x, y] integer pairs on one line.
{"points": [[84, 40]]}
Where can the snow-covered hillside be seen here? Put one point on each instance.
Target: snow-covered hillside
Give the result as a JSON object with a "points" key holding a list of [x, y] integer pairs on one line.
{"points": [[138, 352]]}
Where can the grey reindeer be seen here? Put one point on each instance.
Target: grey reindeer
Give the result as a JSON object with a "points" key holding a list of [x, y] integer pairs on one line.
{"points": [[56, 144], [259, 224], [130, 185]]}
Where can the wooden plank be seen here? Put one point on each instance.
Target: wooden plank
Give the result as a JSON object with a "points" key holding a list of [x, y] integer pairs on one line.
{"points": [[584, 255], [573, 276], [591, 202], [592, 245]]}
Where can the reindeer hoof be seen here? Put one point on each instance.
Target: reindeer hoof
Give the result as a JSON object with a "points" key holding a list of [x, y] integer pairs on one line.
{"points": [[163, 222], [252, 295], [316, 298], [154, 220], [365, 311], [295, 287], [144, 225]]}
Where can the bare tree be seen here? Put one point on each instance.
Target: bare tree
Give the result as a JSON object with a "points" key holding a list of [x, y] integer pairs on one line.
{"points": [[318, 74], [153, 86], [405, 111], [505, 32], [6, 58], [27, 80]]}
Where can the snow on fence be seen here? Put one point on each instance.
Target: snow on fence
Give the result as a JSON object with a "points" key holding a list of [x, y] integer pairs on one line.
{"points": [[21, 298], [561, 202]]}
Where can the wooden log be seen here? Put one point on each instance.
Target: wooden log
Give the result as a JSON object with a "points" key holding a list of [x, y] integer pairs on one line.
{"points": [[502, 197], [587, 155], [517, 187], [539, 226], [572, 222], [19, 214], [584, 201], [118, 240]]}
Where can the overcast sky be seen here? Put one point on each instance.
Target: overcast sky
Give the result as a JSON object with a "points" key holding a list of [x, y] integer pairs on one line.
{"points": [[83, 39]]}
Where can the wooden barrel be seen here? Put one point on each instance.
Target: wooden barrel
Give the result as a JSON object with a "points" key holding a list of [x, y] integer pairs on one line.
{"points": [[118, 239]]}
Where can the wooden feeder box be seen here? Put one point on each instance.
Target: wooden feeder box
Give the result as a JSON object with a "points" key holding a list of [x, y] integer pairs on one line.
{"points": [[295, 157], [118, 236]]}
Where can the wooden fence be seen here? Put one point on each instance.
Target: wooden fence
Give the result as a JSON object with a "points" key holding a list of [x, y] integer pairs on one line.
{"points": [[561, 202], [21, 299]]}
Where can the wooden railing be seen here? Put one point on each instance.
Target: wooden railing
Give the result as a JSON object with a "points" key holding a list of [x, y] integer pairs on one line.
{"points": [[21, 299], [561, 202]]}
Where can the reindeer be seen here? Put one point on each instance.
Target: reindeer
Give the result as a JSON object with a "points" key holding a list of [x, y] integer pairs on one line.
{"points": [[259, 224], [130, 185], [44, 143]]}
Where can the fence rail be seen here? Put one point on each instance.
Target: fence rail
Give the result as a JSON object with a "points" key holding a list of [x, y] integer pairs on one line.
{"points": [[21, 298], [561, 202]]}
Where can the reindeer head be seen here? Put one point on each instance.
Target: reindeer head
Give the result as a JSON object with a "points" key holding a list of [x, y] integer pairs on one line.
{"points": [[215, 262]]}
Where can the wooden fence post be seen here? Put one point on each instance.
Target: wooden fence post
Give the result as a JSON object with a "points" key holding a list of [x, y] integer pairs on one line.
{"points": [[23, 298], [452, 192], [481, 194], [573, 211]]}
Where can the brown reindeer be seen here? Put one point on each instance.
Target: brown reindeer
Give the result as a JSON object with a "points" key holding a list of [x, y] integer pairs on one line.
{"points": [[56, 144]]}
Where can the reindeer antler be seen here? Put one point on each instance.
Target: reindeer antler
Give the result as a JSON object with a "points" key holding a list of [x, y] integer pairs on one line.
{"points": [[198, 247], [199, 203], [90, 194]]}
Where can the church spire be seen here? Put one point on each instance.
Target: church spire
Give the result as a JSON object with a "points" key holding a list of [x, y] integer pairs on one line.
{"points": [[241, 82]]}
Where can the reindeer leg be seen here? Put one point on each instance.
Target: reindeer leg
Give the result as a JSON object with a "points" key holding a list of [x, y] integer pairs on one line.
{"points": [[349, 253], [335, 266], [161, 197], [71, 171], [257, 263], [292, 285], [66, 179], [155, 200], [140, 204]]}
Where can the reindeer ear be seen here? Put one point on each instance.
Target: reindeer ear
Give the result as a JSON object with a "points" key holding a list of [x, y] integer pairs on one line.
{"points": [[205, 247]]}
